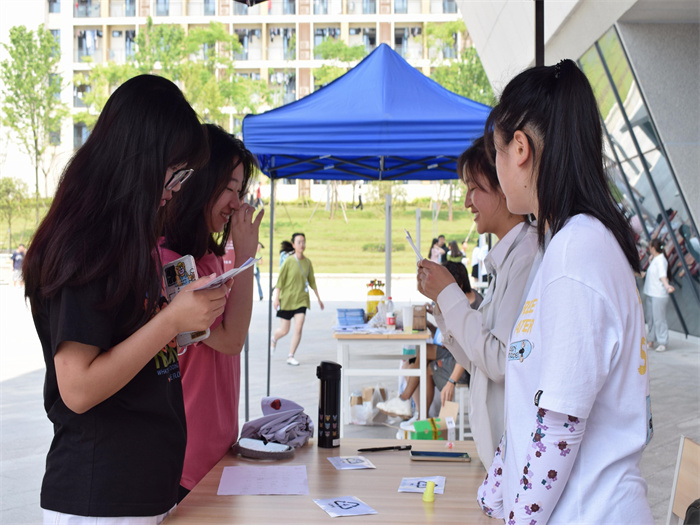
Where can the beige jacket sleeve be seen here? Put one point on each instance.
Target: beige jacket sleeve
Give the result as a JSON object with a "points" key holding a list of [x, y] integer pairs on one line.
{"points": [[480, 337]]}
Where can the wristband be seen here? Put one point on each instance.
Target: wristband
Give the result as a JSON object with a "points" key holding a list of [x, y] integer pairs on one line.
{"points": [[450, 380]]}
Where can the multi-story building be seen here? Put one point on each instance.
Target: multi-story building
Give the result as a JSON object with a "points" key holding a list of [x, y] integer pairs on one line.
{"points": [[278, 38]]}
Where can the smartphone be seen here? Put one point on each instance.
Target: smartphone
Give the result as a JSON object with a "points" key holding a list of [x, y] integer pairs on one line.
{"points": [[177, 274], [425, 455]]}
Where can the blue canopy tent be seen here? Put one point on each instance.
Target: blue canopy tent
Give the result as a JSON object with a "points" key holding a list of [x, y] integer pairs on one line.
{"points": [[382, 120]]}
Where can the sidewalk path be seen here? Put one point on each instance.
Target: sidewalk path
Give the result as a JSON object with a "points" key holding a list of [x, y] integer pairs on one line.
{"points": [[25, 433]]}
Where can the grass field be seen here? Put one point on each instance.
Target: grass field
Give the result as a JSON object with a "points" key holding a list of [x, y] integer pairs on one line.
{"points": [[337, 247], [332, 245]]}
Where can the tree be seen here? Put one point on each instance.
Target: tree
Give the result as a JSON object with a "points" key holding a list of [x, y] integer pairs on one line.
{"points": [[464, 75], [12, 193], [32, 107], [341, 56]]}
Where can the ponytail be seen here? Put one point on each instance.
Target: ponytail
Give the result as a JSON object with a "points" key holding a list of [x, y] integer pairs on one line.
{"points": [[557, 110]]}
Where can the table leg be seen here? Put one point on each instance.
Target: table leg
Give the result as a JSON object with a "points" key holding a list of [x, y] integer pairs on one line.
{"points": [[343, 358], [423, 361]]}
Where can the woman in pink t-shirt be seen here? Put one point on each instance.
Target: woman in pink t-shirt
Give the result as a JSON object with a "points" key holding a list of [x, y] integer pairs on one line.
{"points": [[200, 224]]}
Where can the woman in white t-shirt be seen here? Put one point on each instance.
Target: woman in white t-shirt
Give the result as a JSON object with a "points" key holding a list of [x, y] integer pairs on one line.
{"points": [[578, 412], [656, 290]]}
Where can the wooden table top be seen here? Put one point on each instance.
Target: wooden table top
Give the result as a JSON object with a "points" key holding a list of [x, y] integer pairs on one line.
{"points": [[378, 488], [424, 334]]}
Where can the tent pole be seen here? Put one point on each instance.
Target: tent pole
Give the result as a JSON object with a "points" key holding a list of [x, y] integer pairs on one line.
{"points": [[418, 228], [387, 245], [269, 303]]}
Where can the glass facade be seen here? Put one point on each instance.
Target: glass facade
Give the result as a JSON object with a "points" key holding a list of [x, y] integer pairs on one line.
{"points": [[644, 182]]}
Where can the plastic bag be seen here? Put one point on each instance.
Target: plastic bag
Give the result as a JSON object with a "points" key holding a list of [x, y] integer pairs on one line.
{"points": [[363, 406]]}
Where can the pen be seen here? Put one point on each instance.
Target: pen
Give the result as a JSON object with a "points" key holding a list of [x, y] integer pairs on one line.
{"points": [[382, 449]]}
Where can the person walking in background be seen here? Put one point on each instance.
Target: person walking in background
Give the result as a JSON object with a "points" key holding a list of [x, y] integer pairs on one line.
{"points": [[443, 247], [657, 289], [256, 268], [359, 197], [94, 281], [454, 254], [291, 299], [286, 249], [478, 339], [17, 260], [436, 252], [199, 222], [258, 196], [578, 411]]}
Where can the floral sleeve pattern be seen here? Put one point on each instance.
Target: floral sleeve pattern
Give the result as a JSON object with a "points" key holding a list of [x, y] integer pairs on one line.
{"points": [[490, 494], [556, 439]]}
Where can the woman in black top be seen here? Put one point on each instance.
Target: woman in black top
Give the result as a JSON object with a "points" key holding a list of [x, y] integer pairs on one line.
{"points": [[93, 278]]}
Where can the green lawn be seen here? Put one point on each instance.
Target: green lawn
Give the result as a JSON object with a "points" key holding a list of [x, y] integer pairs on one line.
{"points": [[332, 245], [337, 247]]}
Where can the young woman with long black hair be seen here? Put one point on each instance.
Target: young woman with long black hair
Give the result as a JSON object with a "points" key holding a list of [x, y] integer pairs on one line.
{"points": [[199, 222], [93, 278], [577, 385]]}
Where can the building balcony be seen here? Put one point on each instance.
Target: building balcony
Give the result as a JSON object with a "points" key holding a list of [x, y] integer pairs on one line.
{"points": [[119, 8], [86, 9]]}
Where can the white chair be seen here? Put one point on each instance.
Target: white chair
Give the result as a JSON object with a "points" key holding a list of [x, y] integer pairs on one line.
{"points": [[686, 481], [462, 395]]}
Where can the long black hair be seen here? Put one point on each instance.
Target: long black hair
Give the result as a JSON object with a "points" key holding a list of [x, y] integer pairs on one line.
{"points": [[475, 166], [556, 104], [102, 223], [185, 226]]}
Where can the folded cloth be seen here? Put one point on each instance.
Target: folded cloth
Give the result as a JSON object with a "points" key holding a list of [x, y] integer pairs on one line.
{"points": [[283, 422]]}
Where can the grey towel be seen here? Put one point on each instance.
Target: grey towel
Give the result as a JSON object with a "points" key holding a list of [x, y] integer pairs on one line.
{"points": [[283, 421]]}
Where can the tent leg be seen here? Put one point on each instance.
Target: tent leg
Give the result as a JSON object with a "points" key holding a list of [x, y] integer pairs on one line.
{"points": [[312, 213], [387, 245], [269, 304], [418, 227]]}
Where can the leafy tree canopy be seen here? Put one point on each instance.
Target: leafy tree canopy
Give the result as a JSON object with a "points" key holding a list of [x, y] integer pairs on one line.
{"points": [[339, 52]]}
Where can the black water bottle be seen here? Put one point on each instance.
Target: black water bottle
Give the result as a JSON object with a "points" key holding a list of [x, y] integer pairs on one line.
{"points": [[329, 404]]}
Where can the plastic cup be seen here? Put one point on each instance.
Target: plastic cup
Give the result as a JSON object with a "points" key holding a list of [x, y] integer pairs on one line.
{"points": [[408, 319]]}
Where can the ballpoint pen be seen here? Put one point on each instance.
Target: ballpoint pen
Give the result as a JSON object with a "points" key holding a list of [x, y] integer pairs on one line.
{"points": [[382, 449]]}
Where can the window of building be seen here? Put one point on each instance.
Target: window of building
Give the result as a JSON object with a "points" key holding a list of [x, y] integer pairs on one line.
{"points": [[244, 38], [162, 7], [645, 185], [129, 7], [369, 38], [54, 6], [79, 92], [449, 6], [57, 37], [240, 9], [320, 34], [401, 41], [369, 7], [55, 137], [209, 7], [80, 134], [89, 41], [320, 7], [401, 6], [289, 43], [129, 43], [289, 7], [86, 9]]}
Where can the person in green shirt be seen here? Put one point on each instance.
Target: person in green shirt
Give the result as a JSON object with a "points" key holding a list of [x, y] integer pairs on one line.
{"points": [[291, 296]]}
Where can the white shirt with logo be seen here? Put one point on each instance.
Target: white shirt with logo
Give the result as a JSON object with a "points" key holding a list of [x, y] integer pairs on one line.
{"points": [[578, 347]]}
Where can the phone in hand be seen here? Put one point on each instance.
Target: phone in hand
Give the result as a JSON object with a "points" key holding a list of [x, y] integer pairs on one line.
{"points": [[177, 274]]}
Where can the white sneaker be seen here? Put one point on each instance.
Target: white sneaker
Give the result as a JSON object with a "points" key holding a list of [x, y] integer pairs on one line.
{"points": [[660, 348], [396, 407], [292, 361]]}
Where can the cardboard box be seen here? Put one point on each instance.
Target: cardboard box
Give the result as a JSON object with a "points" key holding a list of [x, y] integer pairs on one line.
{"points": [[419, 318], [440, 428]]}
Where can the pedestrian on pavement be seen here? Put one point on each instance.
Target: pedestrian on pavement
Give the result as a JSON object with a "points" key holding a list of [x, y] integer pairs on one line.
{"points": [[200, 222], [94, 281], [17, 260], [657, 288], [359, 197], [291, 299]]}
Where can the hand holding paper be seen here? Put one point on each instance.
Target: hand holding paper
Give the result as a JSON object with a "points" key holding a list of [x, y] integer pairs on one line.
{"points": [[224, 277], [419, 257]]}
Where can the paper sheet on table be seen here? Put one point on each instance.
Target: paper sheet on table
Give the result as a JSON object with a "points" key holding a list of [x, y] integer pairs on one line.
{"points": [[351, 462], [344, 506], [238, 481], [419, 484]]}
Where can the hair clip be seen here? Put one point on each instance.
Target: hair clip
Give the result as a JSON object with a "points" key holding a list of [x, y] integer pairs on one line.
{"points": [[557, 69]]}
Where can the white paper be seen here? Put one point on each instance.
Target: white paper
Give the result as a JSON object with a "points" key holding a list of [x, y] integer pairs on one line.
{"points": [[351, 462], [344, 506], [221, 279], [419, 257], [248, 480], [419, 484]]}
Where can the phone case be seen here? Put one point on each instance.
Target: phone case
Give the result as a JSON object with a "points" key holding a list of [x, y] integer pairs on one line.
{"points": [[177, 274]]}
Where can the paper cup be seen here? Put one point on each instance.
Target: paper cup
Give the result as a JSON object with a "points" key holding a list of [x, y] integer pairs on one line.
{"points": [[407, 313]]}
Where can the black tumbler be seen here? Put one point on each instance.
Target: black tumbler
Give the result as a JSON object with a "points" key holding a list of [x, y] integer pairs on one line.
{"points": [[329, 404]]}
